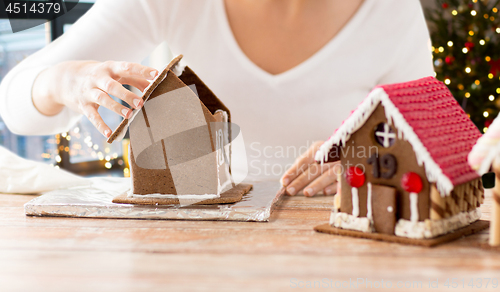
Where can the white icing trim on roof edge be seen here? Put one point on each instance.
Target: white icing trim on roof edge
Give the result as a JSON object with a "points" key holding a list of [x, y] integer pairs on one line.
{"points": [[360, 116]]}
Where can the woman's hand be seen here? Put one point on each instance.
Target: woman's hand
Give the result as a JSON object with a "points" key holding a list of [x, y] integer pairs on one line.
{"points": [[84, 86], [306, 174]]}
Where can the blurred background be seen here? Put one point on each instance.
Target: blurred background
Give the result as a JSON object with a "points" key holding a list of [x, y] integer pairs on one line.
{"points": [[465, 43]]}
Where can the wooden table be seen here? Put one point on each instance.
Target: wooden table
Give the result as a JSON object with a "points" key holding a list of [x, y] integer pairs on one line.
{"points": [[67, 254]]}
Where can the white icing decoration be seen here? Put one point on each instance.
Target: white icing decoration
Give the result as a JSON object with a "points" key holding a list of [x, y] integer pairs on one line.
{"points": [[347, 221], [414, 207], [355, 202], [172, 196], [178, 69], [390, 209], [405, 228], [386, 136], [432, 228], [332, 216], [358, 118], [369, 202]]}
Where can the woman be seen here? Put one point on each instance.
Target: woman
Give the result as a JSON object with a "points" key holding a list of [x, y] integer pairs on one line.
{"points": [[290, 71]]}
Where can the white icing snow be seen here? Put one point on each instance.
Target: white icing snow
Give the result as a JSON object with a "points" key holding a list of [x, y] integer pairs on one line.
{"points": [[406, 228], [348, 221], [360, 116], [172, 196], [432, 228], [178, 69]]}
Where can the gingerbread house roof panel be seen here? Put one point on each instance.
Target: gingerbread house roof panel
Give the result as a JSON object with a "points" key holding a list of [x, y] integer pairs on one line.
{"points": [[440, 123], [120, 131]]}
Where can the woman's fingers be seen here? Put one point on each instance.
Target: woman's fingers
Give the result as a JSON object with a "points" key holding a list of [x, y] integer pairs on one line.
{"points": [[315, 179], [304, 179], [323, 181], [103, 99], [331, 189], [295, 170], [115, 88], [92, 83], [128, 69], [90, 111], [138, 83], [301, 164]]}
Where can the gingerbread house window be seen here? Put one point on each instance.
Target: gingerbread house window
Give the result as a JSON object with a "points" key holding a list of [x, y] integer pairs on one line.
{"points": [[384, 135]]}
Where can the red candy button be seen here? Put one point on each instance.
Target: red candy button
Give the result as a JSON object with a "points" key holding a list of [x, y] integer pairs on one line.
{"points": [[411, 182], [355, 176]]}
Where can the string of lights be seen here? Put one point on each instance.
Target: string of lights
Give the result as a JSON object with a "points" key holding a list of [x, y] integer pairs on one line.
{"points": [[82, 146]]}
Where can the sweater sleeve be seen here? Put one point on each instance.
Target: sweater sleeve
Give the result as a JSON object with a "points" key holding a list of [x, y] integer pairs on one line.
{"points": [[413, 57], [125, 30]]}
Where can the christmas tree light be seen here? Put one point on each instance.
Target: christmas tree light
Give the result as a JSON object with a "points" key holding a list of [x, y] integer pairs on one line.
{"points": [[466, 50]]}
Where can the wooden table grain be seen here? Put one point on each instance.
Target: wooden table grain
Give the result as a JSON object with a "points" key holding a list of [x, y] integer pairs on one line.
{"points": [[73, 254]]}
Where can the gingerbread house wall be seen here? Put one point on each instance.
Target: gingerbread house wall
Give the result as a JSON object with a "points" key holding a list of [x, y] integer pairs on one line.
{"points": [[406, 161], [150, 181], [464, 198], [207, 97]]}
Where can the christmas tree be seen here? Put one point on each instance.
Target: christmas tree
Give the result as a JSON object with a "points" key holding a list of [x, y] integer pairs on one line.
{"points": [[466, 49]]}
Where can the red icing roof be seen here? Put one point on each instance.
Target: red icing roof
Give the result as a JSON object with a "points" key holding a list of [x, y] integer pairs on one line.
{"points": [[440, 123]]}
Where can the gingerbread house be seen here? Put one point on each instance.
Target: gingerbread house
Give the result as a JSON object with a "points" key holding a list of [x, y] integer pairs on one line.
{"points": [[403, 163], [485, 157], [179, 143]]}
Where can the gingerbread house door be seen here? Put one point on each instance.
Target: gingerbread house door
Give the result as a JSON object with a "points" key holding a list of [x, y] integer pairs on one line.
{"points": [[384, 208]]}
